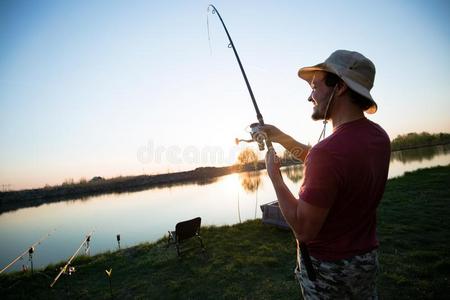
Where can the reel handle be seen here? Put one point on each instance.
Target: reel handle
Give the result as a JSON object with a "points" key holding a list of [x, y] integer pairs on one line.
{"points": [[260, 137]]}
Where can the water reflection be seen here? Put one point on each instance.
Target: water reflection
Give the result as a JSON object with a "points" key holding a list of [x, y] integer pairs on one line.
{"points": [[118, 186], [419, 154], [250, 181], [294, 172]]}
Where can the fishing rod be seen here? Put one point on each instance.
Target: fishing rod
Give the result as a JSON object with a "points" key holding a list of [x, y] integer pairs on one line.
{"points": [[257, 135], [260, 137], [64, 269], [29, 251]]}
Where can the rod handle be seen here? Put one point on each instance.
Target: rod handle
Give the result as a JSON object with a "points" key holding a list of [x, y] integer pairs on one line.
{"points": [[307, 260]]}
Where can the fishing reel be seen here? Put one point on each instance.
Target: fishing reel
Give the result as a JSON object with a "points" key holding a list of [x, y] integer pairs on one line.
{"points": [[257, 135]]}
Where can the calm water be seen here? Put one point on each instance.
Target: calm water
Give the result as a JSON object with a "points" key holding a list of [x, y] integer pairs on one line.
{"points": [[147, 215]]}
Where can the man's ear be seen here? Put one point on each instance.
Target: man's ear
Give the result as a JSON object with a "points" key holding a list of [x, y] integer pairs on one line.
{"points": [[341, 88]]}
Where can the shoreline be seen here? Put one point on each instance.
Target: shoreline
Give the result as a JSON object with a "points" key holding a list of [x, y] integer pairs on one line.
{"points": [[419, 146], [13, 200]]}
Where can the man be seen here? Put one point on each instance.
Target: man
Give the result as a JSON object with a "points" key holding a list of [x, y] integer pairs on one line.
{"points": [[344, 179]]}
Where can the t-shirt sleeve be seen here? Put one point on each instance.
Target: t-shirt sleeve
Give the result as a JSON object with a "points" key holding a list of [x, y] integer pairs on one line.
{"points": [[320, 181]]}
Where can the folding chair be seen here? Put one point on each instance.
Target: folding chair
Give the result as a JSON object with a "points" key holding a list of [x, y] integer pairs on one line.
{"points": [[185, 230]]}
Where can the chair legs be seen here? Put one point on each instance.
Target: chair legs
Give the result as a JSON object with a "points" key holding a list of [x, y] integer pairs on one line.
{"points": [[177, 244], [201, 243], [169, 239], [174, 239]]}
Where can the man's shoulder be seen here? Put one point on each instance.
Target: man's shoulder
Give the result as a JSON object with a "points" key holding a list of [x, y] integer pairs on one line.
{"points": [[378, 128], [323, 150], [362, 128], [351, 135]]}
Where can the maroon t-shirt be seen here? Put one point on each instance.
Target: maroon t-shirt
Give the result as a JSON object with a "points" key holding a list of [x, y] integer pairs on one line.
{"points": [[347, 173]]}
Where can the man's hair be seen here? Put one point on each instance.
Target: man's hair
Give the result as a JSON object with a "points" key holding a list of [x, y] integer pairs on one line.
{"points": [[332, 79]]}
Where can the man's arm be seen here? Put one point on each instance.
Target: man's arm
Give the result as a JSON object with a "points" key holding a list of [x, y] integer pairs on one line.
{"points": [[297, 149], [305, 219]]}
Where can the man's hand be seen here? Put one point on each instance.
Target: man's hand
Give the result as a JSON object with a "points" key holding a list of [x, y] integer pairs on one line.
{"points": [[274, 134], [297, 150], [273, 164]]}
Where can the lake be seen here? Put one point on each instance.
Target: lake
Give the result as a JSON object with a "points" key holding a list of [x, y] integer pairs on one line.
{"points": [[146, 216]]}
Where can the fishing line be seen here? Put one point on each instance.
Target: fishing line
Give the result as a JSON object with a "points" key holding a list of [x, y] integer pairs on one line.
{"points": [[207, 26], [231, 45]]}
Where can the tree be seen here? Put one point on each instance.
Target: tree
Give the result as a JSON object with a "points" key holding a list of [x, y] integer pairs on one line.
{"points": [[413, 139], [247, 156]]}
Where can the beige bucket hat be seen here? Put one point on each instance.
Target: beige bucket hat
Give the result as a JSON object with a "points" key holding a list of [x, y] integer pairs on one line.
{"points": [[356, 70]]}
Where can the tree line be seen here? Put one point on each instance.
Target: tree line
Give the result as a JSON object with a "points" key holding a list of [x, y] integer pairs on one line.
{"points": [[401, 142], [415, 140]]}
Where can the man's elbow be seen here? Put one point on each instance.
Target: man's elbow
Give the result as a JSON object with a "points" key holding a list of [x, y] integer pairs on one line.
{"points": [[309, 221], [305, 235]]}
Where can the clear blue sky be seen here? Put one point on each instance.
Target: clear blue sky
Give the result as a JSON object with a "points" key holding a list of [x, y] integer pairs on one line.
{"points": [[128, 87]]}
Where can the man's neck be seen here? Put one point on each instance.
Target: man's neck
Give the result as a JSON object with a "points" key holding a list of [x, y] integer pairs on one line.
{"points": [[348, 116]]}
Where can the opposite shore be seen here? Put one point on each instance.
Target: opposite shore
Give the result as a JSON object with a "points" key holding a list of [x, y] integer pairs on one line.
{"points": [[12, 200]]}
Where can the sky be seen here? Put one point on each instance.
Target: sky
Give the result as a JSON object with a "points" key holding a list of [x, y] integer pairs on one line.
{"points": [[118, 88]]}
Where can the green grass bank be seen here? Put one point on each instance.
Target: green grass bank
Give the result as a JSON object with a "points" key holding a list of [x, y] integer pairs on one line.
{"points": [[254, 261]]}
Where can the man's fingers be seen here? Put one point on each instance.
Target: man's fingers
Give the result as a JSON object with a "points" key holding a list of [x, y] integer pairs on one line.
{"points": [[269, 156], [272, 156], [272, 132], [267, 129]]}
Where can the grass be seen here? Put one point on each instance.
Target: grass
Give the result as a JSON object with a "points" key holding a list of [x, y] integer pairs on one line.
{"points": [[415, 235], [254, 261]]}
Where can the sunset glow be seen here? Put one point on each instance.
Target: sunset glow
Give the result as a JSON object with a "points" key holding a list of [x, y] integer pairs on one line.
{"points": [[87, 86]]}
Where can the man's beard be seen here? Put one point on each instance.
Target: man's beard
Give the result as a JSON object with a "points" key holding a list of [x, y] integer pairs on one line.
{"points": [[318, 113]]}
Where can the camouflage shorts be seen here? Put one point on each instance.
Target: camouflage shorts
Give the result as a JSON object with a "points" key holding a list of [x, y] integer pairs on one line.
{"points": [[352, 278]]}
